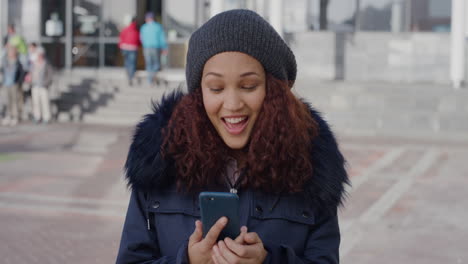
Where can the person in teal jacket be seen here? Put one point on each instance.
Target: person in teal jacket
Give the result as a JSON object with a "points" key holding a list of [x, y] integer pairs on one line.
{"points": [[153, 39]]}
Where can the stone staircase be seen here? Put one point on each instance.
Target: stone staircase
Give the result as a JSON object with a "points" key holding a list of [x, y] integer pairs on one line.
{"points": [[106, 98], [127, 107], [368, 108]]}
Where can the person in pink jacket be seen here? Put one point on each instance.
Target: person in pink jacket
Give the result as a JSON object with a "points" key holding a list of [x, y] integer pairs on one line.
{"points": [[129, 41]]}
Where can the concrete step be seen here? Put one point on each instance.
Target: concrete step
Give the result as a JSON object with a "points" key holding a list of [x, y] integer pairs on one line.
{"points": [[133, 100], [116, 111], [123, 121], [347, 106], [110, 113], [156, 93], [410, 122], [126, 107], [389, 103], [143, 106]]}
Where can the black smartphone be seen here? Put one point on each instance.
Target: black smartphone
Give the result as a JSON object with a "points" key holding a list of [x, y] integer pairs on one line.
{"points": [[213, 206]]}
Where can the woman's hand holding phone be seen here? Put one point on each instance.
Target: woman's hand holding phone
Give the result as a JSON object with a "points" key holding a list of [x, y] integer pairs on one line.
{"points": [[246, 248], [199, 248]]}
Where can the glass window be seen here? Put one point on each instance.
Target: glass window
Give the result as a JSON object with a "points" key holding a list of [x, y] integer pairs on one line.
{"points": [[112, 55], [376, 15], [180, 21], [117, 16], [53, 18], [440, 9], [341, 15], [388, 15], [55, 53], [85, 54], [86, 17], [431, 15]]}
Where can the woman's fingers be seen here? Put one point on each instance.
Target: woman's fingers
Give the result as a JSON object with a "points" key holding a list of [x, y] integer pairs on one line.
{"points": [[252, 238], [212, 235], [229, 255], [215, 261], [251, 250], [240, 238], [243, 251], [218, 256], [197, 234]]}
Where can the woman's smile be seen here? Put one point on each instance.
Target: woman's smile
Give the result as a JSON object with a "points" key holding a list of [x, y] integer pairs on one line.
{"points": [[235, 125]]}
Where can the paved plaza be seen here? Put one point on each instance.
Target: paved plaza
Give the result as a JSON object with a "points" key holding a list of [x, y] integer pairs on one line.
{"points": [[63, 198]]}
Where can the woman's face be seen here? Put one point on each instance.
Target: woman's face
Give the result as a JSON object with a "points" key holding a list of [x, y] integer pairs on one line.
{"points": [[233, 88]]}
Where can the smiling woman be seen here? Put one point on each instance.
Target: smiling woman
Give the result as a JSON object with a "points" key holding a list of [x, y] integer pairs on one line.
{"points": [[239, 129], [233, 96]]}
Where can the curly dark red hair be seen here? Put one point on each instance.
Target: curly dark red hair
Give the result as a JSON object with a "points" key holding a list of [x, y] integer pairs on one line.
{"points": [[278, 152]]}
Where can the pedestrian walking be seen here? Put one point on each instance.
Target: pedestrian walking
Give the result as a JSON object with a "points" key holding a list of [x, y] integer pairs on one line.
{"points": [[154, 44], [41, 79], [13, 75], [240, 129], [129, 41], [32, 58], [33, 53], [16, 40]]}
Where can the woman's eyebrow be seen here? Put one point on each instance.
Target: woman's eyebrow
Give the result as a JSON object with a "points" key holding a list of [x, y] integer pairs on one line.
{"points": [[249, 73], [214, 74]]}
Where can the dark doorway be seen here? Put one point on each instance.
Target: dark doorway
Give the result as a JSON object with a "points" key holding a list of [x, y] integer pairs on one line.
{"points": [[144, 6]]}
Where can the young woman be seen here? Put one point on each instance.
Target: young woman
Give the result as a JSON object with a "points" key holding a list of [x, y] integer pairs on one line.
{"points": [[239, 129]]}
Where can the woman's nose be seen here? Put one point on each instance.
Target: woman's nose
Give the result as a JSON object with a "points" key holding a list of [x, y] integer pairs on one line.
{"points": [[233, 101]]}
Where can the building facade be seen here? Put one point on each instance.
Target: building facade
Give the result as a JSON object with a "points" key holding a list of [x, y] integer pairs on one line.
{"points": [[84, 33]]}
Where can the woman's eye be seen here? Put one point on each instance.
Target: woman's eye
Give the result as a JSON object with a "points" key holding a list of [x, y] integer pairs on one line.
{"points": [[249, 87], [216, 90]]}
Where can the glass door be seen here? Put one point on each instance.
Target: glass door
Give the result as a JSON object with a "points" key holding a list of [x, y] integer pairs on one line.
{"points": [[116, 16], [54, 31], [86, 32], [96, 28]]}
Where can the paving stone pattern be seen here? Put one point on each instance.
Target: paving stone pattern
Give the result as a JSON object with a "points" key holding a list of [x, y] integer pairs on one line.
{"points": [[64, 200]]}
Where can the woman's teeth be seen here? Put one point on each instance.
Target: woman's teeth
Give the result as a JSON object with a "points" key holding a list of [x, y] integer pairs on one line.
{"points": [[235, 120]]}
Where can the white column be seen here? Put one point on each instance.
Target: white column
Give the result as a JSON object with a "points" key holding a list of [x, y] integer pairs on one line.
{"points": [[457, 59], [216, 7], [31, 20], [1, 24], [260, 8], [251, 4], [276, 15], [68, 36], [466, 19], [3, 19], [464, 47], [397, 15]]}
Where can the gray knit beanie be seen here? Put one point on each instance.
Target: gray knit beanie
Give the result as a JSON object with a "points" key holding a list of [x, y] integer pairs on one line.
{"points": [[243, 31]]}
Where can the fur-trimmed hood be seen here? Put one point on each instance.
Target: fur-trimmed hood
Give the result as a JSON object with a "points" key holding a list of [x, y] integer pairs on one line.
{"points": [[146, 169]]}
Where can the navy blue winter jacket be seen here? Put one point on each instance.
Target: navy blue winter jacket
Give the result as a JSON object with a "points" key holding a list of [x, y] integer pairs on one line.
{"points": [[299, 228]]}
